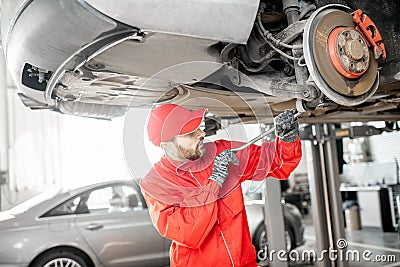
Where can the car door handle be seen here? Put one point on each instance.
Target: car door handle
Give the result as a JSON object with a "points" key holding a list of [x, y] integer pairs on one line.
{"points": [[94, 226]]}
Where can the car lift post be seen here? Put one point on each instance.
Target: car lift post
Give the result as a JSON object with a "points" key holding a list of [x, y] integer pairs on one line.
{"points": [[274, 225], [323, 171]]}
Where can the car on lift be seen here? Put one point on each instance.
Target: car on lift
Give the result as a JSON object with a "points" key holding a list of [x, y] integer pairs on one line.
{"points": [[105, 224], [244, 60]]}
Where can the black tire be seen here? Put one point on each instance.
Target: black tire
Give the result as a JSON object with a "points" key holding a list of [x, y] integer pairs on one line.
{"points": [[260, 238], [49, 259], [260, 241], [290, 233]]}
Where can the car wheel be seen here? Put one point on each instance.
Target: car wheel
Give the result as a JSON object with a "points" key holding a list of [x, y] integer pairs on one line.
{"points": [[60, 259], [260, 240]]}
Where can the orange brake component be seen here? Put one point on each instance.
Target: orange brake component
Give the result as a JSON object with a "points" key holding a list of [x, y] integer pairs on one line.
{"points": [[368, 28]]}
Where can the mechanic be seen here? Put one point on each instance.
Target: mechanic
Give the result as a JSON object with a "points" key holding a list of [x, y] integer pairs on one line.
{"points": [[194, 193]]}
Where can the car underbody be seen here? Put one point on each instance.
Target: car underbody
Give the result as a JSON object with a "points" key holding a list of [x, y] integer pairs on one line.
{"points": [[245, 60]]}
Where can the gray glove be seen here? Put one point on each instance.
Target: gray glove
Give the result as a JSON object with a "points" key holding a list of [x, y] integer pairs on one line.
{"points": [[221, 163], [286, 126]]}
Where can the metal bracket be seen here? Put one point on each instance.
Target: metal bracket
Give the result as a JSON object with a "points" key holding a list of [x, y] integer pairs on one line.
{"points": [[291, 32], [357, 131], [284, 88], [315, 132]]}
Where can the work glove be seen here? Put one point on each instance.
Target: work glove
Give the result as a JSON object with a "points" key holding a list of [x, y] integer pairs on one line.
{"points": [[221, 163], [286, 126]]}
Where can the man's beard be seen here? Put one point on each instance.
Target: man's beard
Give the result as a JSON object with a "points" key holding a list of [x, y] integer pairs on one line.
{"points": [[191, 154]]}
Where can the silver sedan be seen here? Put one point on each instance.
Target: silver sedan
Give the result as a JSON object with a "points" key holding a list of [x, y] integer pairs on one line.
{"points": [[105, 224]]}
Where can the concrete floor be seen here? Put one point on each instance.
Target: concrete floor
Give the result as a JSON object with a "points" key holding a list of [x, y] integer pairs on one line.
{"points": [[379, 244]]}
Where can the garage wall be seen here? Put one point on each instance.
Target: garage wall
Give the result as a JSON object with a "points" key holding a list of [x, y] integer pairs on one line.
{"points": [[385, 147], [379, 154], [91, 151], [44, 149], [49, 150], [33, 161]]}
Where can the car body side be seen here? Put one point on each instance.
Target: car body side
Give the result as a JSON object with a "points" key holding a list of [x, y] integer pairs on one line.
{"points": [[26, 235]]}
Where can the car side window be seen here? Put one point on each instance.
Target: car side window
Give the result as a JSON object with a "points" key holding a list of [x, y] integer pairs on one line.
{"points": [[69, 207], [110, 199], [134, 201], [100, 200], [119, 198]]}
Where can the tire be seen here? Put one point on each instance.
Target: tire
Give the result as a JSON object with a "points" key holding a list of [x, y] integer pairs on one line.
{"points": [[260, 241], [260, 238], [289, 235], [61, 258]]}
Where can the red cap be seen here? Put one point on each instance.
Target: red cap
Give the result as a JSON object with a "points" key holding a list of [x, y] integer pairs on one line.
{"points": [[169, 120]]}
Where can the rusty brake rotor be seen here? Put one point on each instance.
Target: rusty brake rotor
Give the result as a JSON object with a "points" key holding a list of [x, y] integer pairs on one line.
{"points": [[338, 58]]}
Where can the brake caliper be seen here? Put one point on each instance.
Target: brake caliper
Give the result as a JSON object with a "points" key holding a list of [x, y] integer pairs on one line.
{"points": [[371, 33]]}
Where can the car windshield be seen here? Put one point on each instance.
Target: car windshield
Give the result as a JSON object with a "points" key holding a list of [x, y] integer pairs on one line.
{"points": [[26, 205]]}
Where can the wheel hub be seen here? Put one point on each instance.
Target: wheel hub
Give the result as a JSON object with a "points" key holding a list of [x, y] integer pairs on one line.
{"points": [[348, 52]]}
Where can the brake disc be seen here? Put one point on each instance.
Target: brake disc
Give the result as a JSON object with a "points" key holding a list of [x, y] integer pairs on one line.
{"points": [[338, 58]]}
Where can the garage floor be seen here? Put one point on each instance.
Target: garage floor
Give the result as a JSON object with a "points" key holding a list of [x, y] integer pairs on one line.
{"points": [[379, 243]]}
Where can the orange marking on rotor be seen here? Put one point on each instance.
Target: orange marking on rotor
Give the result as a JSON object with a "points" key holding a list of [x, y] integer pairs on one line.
{"points": [[333, 53]]}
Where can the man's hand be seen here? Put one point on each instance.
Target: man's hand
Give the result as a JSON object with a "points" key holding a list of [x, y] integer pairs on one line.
{"points": [[221, 163], [286, 126]]}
